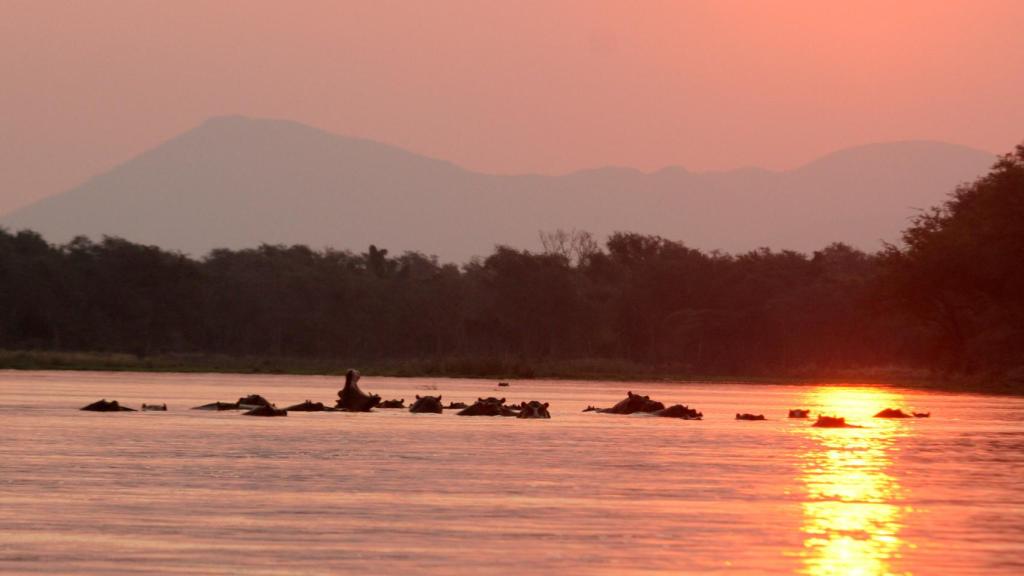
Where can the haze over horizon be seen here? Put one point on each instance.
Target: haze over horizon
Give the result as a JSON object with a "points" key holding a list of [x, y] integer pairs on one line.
{"points": [[238, 182], [536, 87]]}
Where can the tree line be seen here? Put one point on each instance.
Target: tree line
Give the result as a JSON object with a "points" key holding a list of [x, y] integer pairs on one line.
{"points": [[949, 297]]}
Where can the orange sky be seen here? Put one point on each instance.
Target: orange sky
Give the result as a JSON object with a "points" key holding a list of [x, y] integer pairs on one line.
{"points": [[512, 86]]}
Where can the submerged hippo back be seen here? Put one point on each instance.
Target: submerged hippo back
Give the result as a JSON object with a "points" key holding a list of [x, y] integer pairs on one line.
{"points": [[106, 406], [635, 403]]}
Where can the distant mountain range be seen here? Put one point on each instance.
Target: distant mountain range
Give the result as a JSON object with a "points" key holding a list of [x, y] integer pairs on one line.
{"points": [[238, 182]]}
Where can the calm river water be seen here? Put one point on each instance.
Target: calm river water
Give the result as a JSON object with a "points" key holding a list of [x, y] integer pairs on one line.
{"points": [[195, 492]]}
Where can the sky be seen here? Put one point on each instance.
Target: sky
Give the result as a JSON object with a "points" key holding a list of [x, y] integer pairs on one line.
{"points": [[524, 86]]}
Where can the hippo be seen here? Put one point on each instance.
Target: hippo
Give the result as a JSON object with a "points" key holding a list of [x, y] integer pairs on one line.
{"points": [[266, 411], [892, 413], [251, 401], [799, 413], [154, 407], [679, 411], [503, 384], [456, 405], [487, 407], [244, 403], [922, 414], [533, 409], [427, 405], [632, 404], [833, 422], [352, 399], [308, 406], [105, 406], [400, 403], [746, 416], [218, 406]]}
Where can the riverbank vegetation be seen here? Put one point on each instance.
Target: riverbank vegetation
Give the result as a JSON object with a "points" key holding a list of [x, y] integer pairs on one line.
{"points": [[947, 302]]}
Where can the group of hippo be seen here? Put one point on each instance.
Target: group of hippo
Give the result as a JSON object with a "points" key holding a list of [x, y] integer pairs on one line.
{"points": [[837, 422], [113, 406], [635, 403], [351, 398]]}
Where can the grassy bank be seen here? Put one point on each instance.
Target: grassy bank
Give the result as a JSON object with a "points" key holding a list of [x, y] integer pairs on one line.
{"points": [[494, 368]]}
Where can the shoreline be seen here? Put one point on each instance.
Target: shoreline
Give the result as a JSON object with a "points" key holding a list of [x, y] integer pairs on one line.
{"points": [[497, 369]]}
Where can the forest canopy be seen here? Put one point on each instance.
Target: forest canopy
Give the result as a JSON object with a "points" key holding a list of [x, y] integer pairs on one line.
{"points": [[949, 298]]}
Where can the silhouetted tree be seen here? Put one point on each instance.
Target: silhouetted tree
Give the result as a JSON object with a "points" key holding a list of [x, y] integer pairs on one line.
{"points": [[950, 297], [960, 271]]}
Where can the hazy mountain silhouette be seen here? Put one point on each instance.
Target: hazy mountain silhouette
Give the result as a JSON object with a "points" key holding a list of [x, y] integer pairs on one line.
{"points": [[238, 182]]}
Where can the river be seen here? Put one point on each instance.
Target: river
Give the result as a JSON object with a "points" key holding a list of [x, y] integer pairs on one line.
{"points": [[390, 492]]}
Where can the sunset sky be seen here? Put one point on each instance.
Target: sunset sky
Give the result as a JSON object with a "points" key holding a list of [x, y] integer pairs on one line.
{"points": [[529, 86]]}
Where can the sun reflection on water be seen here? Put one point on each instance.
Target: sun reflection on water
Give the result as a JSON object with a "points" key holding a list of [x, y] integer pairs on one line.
{"points": [[852, 515]]}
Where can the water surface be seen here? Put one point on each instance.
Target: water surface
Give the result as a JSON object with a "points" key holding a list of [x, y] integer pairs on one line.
{"points": [[195, 492]]}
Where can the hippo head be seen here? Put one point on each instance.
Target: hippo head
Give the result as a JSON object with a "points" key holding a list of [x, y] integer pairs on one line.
{"points": [[748, 416], [352, 399], [351, 379], [487, 407], [832, 422], [427, 404], [534, 409]]}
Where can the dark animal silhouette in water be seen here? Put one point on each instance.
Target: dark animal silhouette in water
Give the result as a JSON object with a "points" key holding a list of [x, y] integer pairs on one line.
{"points": [[265, 411], [487, 407], [154, 407], [308, 406], [679, 411], [833, 422], [244, 403], [533, 409], [799, 413], [400, 403], [252, 401], [456, 405], [218, 406], [105, 406], [503, 384], [427, 405], [631, 405], [352, 399], [892, 413], [636, 403], [922, 414], [746, 416]]}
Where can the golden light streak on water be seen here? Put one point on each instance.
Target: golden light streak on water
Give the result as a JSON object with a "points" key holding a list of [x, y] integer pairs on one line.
{"points": [[853, 515]]}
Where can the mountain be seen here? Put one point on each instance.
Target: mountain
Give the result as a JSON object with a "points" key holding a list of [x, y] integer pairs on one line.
{"points": [[238, 182]]}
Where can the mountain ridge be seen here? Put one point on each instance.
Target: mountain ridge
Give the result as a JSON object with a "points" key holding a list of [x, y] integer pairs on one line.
{"points": [[234, 181]]}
